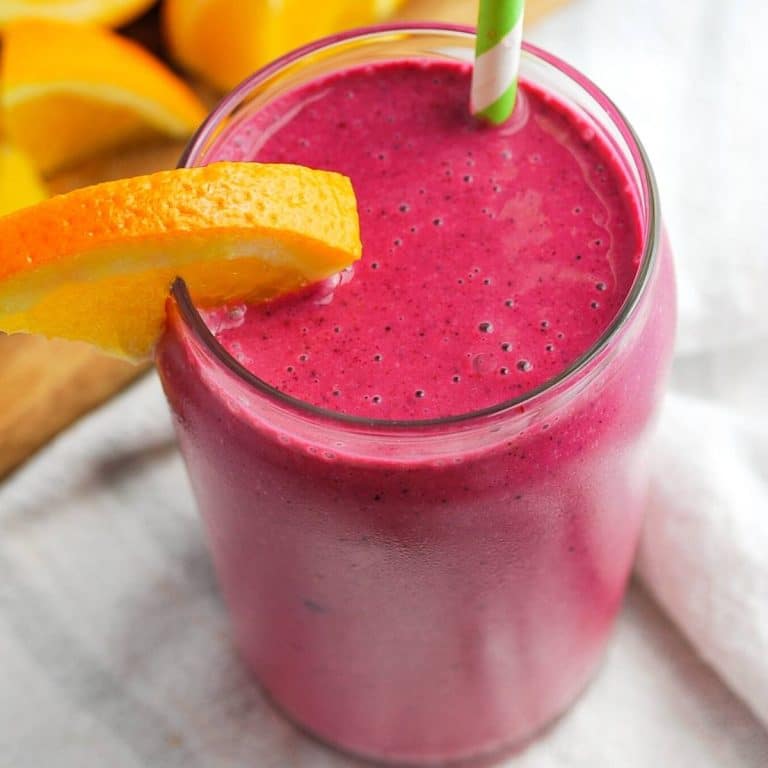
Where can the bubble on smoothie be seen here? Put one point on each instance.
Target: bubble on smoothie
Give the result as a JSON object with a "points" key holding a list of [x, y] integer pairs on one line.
{"points": [[601, 286], [378, 357], [404, 207], [504, 371], [509, 302], [456, 378], [506, 346], [524, 366], [303, 357], [487, 281], [420, 393], [482, 363], [594, 304], [485, 327], [376, 399], [468, 178], [438, 222], [544, 324], [576, 210]]}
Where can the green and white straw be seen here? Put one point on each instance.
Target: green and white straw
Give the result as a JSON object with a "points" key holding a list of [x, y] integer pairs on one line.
{"points": [[497, 59]]}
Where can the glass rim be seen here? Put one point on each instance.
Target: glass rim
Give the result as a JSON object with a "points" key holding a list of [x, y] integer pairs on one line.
{"points": [[194, 322]]}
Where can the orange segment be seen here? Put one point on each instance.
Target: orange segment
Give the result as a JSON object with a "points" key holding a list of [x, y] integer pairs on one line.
{"points": [[110, 13], [70, 91], [96, 264], [19, 183], [227, 40]]}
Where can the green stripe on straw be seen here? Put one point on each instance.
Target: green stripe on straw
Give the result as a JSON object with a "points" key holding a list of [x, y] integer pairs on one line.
{"points": [[497, 57]]}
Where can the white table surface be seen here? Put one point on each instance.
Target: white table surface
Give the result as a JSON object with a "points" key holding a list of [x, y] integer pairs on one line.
{"points": [[114, 646]]}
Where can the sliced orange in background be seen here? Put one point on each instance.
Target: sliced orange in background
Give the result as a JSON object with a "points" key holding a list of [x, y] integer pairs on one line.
{"points": [[20, 185], [224, 41], [96, 264], [110, 13], [70, 91]]}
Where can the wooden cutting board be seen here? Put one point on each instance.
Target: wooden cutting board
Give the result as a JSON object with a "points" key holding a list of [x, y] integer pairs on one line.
{"points": [[46, 385]]}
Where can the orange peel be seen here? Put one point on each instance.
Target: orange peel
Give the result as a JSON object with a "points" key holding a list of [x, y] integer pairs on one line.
{"points": [[96, 264], [110, 13], [224, 41], [69, 91]]}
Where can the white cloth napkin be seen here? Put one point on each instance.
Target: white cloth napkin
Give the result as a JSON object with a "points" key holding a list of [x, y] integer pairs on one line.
{"points": [[704, 551], [114, 646]]}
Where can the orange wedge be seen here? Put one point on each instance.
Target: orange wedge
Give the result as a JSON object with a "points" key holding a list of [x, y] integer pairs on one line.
{"points": [[70, 91], [109, 13], [224, 41], [96, 264], [19, 183]]}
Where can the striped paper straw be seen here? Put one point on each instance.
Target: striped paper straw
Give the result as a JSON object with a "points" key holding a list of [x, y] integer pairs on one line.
{"points": [[497, 59]]}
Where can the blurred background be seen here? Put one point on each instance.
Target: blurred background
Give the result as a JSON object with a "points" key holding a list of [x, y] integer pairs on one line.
{"points": [[690, 76]]}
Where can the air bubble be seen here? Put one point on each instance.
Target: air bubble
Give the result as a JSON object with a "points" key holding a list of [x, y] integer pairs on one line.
{"points": [[550, 347], [376, 399], [397, 242], [303, 357], [456, 379], [601, 286], [577, 210], [468, 178], [544, 324], [289, 369], [404, 207], [504, 371], [485, 327], [437, 222], [374, 265], [487, 281], [336, 393], [524, 365], [337, 329], [377, 358], [506, 346], [594, 304], [509, 303], [420, 393]]}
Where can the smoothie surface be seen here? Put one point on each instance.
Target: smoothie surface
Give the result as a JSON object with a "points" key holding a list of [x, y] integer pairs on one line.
{"points": [[492, 257]]}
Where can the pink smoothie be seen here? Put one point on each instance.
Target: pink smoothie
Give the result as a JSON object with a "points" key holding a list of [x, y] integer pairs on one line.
{"points": [[492, 259], [431, 593]]}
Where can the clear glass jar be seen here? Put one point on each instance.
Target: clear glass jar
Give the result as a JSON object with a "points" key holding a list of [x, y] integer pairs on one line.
{"points": [[390, 593]]}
